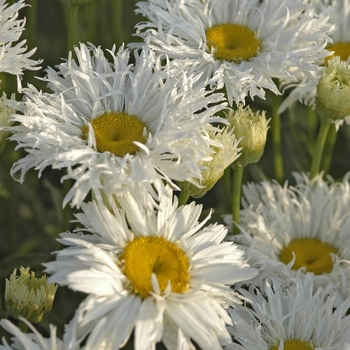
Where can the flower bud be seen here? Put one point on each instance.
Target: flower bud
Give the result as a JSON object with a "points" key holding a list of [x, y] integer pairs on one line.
{"points": [[251, 128], [333, 91], [27, 296], [225, 151]]}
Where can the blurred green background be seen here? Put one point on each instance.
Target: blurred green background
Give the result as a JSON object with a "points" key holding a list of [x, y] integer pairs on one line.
{"points": [[31, 215]]}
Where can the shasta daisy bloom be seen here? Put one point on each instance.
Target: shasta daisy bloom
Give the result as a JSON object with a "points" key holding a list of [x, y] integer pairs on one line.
{"points": [[290, 231], [13, 56], [163, 274], [337, 13], [114, 125], [240, 45], [340, 18], [295, 318]]}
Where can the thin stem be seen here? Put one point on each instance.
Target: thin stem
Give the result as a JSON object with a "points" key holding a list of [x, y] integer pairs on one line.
{"points": [[236, 196], [319, 146], [276, 140], [328, 149], [312, 122], [72, 26], [32, 24], [183, 197], [226, 182], [117, 8]]}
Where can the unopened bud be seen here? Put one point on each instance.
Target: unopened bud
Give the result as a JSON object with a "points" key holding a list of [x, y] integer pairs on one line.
{"points": [[251, 128], [333, 91], [224, 145], [29, 297]]}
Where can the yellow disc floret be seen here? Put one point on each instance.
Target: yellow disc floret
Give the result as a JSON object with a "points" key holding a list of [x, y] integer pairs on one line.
{"points": [[310, 253], [341, 49], [145, 256], [233, 42], [295, 344], [116, 132]]}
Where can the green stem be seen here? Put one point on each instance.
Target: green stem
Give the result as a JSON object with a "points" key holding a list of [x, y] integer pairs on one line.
{"points": [[183, 197], [236, 196], [23, 326], [328, 149], [32, 24], [226, 182], [319, 146], [312, 123], [72, 26], [117, 9], [276, 140]]}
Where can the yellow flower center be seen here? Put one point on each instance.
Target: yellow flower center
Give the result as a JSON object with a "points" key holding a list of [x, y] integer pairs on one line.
{"points": [[341, 49], [310, 253], [116, 131], [295, 344], [145, 256], [233, 42]]}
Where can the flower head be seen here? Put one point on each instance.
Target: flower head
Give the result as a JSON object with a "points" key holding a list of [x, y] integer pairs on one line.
{"points": [[115, 125], [163, 274], [292, 231], [295, 318], [27, 296], [242, 45], [336, 15]]}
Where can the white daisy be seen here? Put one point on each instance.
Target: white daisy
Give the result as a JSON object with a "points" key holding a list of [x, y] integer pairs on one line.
{"points": [[242, 45], [163, 274], [13, 56], [290, 319], [338, 14], [113, 125], [290, 231]]}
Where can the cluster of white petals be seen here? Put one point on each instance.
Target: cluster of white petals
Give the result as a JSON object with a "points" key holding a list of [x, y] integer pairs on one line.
{"points": [[92, 264], [176, 112], [277, 314], [293, 39], [274, 215]]}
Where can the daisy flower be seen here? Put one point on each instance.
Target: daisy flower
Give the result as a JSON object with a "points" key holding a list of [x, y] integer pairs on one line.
{"points": [[240, 45], [113, 125], [338, 14], [13, 56], [290, 231], [297, 318], [163, 275]]}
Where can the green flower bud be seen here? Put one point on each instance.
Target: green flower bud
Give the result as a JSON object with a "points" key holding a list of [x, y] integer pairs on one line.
{"points": [[225, 151], [333, 91], [27, 296], [251, 128]]}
